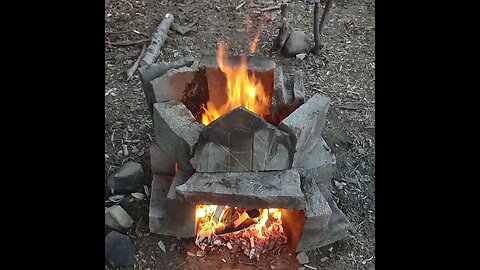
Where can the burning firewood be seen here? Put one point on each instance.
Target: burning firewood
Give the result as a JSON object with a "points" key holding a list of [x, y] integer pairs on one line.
{"points": [[158, 39], [256, 231]]}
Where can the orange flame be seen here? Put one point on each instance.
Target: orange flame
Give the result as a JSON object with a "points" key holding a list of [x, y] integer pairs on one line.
{"points": [[243, 89], [266, 17]]}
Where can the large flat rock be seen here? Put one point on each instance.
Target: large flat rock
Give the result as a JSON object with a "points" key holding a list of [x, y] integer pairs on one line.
{"points": [[305, 125], [275, 189]]}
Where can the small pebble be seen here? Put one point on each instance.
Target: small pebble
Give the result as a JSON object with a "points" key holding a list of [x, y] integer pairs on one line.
{"points": [[200, 253]]}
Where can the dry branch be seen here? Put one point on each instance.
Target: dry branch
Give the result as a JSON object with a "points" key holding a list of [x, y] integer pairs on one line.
{"points": [[132, 70], [319, 27], [158, 40], [284, 31]]}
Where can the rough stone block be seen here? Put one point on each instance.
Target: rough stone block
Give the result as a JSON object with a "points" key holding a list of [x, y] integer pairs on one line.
{"points": [[305, 125], [117, 218], [172, 84], [119, 250], [281, 93], [159, 161], [298, 87], [242, 141], [170, 215], [317, 215], [176, 132], [127, 179], [277, 189], [155, 70], [319, 163]]}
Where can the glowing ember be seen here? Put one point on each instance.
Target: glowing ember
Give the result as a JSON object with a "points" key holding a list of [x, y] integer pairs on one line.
{"points": [[243, 89], [257, 228]]}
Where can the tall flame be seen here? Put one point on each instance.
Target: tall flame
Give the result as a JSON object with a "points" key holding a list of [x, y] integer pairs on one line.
{"points": [[243, 89]]}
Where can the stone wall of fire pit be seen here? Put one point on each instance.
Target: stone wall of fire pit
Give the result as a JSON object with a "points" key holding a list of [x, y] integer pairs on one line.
{"points": [[279, 160]]}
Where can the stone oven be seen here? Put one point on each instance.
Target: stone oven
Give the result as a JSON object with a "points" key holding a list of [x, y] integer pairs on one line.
{"points": [[267, 171]]}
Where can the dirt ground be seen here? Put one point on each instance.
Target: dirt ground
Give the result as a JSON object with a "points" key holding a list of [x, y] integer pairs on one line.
{"points": [[345, 72]]}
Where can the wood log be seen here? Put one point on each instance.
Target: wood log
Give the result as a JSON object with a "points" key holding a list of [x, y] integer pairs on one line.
{"points": [[284, 30], [158, 39]]}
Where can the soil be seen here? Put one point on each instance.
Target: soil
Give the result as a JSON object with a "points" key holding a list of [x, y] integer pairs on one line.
{"points": [[345, 72]]}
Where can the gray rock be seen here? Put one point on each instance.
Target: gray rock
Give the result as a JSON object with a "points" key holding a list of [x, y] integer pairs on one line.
{"points": [[319, 163], [159, 161], [176, 132], [168, 214], [302, 258], [305, 125], [153, 71], [242, 141], [278, 189], [119, 250], [297, 42], [117, 218], [127, 179]]}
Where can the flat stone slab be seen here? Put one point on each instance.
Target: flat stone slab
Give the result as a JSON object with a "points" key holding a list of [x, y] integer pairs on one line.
{"points": [[319, 163], [155, 70], [259, 63], [305, 124], [275, 189], [176, 131], [169, 215], [172, 84], [298, 88], [317, 216], [160, 163], [242, 141]]}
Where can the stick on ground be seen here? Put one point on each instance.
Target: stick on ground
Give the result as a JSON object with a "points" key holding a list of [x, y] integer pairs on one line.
{"points": [[319, 27], [158, 40], [132, 70], [284, 31]]}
